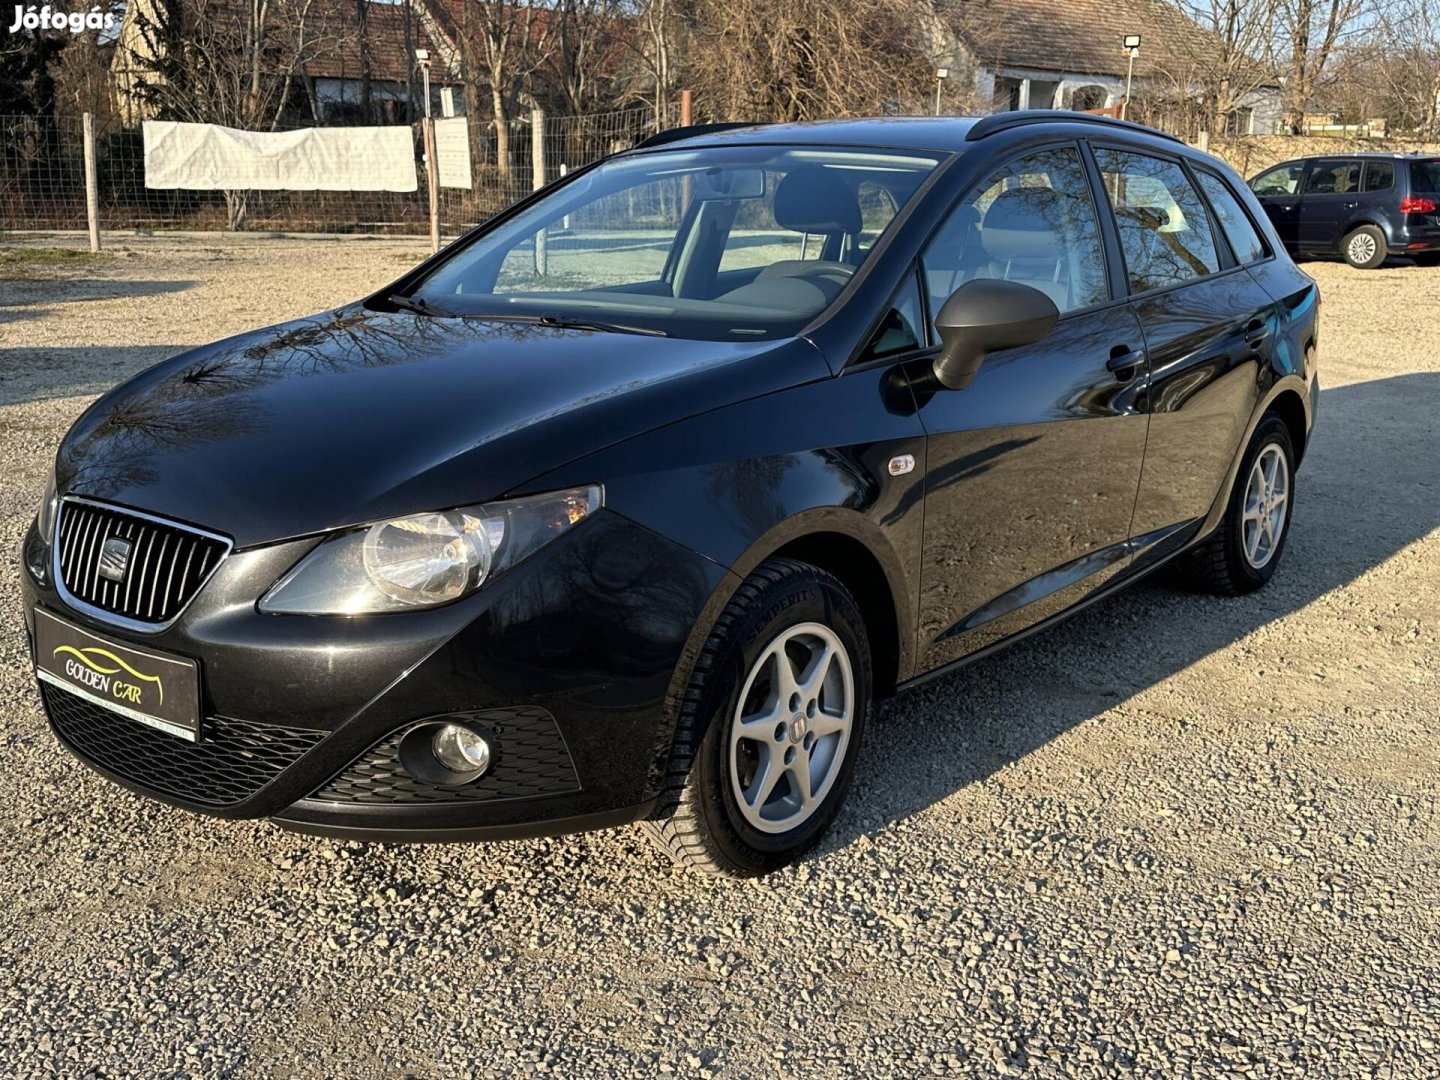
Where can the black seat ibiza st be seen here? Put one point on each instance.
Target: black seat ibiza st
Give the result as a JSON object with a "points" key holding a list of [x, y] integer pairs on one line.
{"points": [[627, 505]]}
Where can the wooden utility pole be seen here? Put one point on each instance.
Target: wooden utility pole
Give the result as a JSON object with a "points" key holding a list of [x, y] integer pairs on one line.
{"points": [[537, 181], [687, 108], [92, 189]]}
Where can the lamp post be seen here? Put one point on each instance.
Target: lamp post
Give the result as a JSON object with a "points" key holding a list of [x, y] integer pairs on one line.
{"points": [[1132, 49], [941, 74], [422, 61]]}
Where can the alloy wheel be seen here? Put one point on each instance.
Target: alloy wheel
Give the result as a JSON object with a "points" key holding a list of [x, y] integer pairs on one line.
{"points": [[1267, 500], [791, 727], [1362, 247]]}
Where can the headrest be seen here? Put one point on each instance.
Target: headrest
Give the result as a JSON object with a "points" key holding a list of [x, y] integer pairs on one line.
{"points": [[1023, 223], [813, 199]]}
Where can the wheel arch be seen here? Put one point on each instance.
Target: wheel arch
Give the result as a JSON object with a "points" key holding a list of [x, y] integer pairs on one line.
{"points": [[1287, 399]]}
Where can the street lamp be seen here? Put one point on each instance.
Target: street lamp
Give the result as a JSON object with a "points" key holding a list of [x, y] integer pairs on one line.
{"points": [[941, 74], [1132, 49], [422, 60]]}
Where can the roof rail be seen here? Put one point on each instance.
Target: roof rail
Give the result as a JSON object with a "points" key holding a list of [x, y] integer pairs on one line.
{"points": [[660, 138], [1004, 121]]}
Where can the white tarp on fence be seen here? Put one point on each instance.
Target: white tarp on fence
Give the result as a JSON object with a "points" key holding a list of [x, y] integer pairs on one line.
{"points": [[452, 152], [209, 157]]}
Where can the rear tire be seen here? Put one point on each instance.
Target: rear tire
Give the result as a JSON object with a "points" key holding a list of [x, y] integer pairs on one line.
{"points": [[769, 726], [1364, 248], [1245, 550]]}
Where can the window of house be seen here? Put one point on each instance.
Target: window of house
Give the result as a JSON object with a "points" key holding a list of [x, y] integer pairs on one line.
{"points": [[1239, 121], [1164, 231]]}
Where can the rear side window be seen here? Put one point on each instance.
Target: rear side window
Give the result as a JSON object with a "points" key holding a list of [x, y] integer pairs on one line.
{"points": [[1164, 231], [1425, 177], [1234, 222], [1281, 180], [1031, 221], [1333, 178], [1379, 175]]}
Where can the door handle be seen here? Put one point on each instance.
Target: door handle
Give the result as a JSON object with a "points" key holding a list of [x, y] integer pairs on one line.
{"points": [[1123, 362], [1256, 334]]}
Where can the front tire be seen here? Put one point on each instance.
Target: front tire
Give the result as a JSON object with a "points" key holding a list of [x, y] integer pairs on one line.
{"points": [[1245, 550], [769, 726], [1364, 248]]}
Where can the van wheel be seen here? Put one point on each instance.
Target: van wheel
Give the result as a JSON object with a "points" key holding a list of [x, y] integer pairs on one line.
{"points": [[1364, 248], [1242, 554], [769, 726]]}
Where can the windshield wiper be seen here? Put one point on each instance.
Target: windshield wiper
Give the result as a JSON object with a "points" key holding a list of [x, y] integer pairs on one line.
{"points": [[565, 322], [417, 305]]}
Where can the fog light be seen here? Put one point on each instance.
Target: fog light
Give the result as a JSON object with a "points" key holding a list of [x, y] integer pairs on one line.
{"points": [[461, 750]]}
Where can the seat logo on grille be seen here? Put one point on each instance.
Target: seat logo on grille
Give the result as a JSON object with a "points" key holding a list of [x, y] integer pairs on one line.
{"points": [[115, 558]]}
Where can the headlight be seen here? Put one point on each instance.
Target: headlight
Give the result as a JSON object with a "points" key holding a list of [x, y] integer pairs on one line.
{"points": [[45, 520], [426, 559]]}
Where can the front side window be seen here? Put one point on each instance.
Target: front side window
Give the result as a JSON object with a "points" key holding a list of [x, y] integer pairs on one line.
{"points": [[1281, 180], [1333, 178], [1235, 223], [1164, 232], [1031, 221], [1379, 175], [725, 243]]}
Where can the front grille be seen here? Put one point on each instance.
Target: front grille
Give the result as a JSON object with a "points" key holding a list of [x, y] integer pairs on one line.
{"points": [[165, 567], [532, 760], [235, 760]]}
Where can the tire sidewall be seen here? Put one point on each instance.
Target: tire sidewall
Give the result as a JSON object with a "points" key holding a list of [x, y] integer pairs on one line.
{"points": [[805, 598], [1271, 432]]}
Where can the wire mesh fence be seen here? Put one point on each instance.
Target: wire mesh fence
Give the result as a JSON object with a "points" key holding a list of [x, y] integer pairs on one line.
{"points": [[42, 180]]}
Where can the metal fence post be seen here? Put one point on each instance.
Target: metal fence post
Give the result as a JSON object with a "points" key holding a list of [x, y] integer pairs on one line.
{"points": [[432, 180], [537, 180], [92, 189]]}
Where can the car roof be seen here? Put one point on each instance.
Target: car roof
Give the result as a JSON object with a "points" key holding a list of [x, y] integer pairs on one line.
{"points": [[931, 133], [891, 132]]}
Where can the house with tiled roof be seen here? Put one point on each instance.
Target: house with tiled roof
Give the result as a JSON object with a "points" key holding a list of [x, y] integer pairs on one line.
{"points": [[1069, 54]]}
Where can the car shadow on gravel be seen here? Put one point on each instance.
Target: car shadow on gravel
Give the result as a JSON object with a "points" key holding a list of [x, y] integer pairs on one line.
{"points": [[31, 292], [40, 372], [1372, 440]]}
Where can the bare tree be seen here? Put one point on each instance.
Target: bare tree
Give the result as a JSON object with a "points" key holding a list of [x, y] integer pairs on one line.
{"points": [[219, 62], [1309, 33], [1225, 65], [798, 59]]}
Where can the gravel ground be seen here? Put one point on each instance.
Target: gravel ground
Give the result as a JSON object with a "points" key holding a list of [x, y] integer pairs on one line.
{"points": [[1176, 837]]}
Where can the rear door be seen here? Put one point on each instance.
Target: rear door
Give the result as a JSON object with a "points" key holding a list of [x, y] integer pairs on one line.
{"points": [[1207, 325], [1032, 467], [1331, 201], [1278, 190]]}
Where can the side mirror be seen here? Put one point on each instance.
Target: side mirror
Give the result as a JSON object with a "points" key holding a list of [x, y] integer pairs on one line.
{"points": [[982, 316]]}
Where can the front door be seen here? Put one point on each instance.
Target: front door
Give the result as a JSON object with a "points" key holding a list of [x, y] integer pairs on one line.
{"points": [[1033, 467], [1278, 190]]}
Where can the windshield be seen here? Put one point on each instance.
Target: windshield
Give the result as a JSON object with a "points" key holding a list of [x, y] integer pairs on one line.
{"points": [[1425, 177], [734, 243]]}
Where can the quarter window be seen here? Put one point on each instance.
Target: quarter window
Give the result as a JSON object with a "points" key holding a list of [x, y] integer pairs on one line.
{"points": [[1164, 232], [1234, 222], [1031, 221], [1333, 178], [1379, 175]]}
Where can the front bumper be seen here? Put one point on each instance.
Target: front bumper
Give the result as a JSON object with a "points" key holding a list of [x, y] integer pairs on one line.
{"points": [[568, 659]]}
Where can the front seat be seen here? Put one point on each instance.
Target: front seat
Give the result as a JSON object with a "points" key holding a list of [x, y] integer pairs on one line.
{"points": [[814, 200], [1022, 237]]}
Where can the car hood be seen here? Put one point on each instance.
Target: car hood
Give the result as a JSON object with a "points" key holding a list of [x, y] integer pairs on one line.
{"points": [[357, 415]]}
